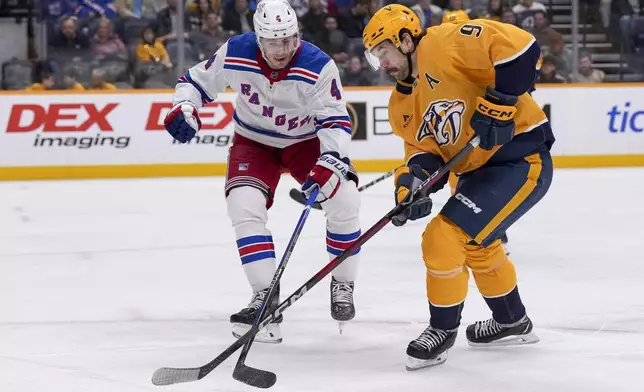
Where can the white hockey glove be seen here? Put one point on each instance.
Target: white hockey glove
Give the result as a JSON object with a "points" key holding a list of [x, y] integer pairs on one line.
{"points": [[329, 172]]}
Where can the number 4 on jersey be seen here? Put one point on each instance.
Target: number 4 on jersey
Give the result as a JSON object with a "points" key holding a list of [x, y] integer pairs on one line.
{"points": [[335, 91]]}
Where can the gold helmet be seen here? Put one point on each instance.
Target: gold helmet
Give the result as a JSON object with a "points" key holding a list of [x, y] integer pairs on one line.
{"points": [[455, 17], [387, 23]]}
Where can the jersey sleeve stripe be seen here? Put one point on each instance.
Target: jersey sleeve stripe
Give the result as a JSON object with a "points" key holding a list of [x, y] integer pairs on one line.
{"points": [[511, 58], [186, 78], [302, 71], [300, 78], [333, 119]]}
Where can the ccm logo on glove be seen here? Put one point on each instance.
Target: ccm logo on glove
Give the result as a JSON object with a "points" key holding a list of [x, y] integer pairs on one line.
{"points": [[495, 111]]}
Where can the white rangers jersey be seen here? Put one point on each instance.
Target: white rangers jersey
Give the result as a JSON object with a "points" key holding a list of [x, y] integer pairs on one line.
{"points": [[276, 108]]}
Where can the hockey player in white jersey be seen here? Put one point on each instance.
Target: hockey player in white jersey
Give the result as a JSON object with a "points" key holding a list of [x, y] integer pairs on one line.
{"points": [[290, 116]]}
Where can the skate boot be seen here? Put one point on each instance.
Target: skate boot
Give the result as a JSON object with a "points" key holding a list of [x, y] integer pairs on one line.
{"points": [[342, 308], [430, 348], [491, 333], [242, 321]]}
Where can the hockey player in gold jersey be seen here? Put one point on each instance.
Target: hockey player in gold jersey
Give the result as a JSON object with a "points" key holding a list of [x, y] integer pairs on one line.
{"points": [[457, 81]]}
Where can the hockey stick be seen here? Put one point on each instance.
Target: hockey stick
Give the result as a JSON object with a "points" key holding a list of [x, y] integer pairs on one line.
{"points": [[297, 195], [256, 377], [167, 376]]}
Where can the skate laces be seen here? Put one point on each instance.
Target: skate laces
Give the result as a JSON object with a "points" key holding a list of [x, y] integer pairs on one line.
{"points": [[487, 328], [258, 299], [431, 337], [342, 292]]}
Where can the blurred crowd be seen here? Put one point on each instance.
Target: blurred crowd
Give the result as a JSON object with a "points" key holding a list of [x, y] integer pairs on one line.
{"points": [[108, 44]]}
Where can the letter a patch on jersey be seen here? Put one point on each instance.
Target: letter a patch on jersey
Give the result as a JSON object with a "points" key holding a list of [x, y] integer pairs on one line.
{"points": [[442, 120]]}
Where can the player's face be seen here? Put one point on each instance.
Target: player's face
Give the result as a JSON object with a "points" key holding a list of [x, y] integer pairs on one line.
{"points": [[387, 57], [279, 51]]}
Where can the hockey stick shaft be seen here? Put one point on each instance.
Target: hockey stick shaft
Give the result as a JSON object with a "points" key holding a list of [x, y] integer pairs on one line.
{"points": [[297, 195], [280, 270], [166, 376], [377, 180]]}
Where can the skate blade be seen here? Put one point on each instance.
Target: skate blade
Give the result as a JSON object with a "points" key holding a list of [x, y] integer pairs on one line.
{"points": [[270, 334], [515, 340], [417, 364], [341, 325]]}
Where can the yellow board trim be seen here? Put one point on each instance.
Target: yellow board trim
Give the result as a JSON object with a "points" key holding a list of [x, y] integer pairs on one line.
{"points": [[531, 182], [219, 169]]}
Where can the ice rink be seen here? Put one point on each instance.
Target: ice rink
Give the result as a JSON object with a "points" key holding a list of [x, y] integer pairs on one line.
{"points": [[102, 282]]}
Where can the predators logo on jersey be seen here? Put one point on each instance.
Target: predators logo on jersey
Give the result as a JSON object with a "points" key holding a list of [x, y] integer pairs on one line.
{"points": [[442, 120]]}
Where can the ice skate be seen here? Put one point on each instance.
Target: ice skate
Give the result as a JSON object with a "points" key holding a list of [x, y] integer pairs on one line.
{"points": [[430, 348], [342, 308], [491, 333], [242, 321]]}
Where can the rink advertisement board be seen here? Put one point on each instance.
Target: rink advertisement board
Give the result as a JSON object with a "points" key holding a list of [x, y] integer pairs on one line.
{"points": [[121, 134]]}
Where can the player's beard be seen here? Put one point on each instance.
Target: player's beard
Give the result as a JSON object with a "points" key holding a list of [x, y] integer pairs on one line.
{"points": [[396, 73]]}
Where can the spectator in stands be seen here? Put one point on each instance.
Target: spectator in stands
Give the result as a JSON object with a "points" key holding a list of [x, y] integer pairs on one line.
{"points": [[428, 13], [301, 7], [457, 5], [151, 49], [210, 38], [193, 5], [528, 5], [313, 20], [197, 16], [334, 41], [70, 79], [309, 37], [549, 72], [106, 44], [353, 22], [238, 19], [355, 74], [98, 80], [165, 22], [494, 10], [541, 30], [96, 9], [561, 54], [509, 17], [621, 14], [56, 9], [47, 83], [587, 74], [69, 36]]}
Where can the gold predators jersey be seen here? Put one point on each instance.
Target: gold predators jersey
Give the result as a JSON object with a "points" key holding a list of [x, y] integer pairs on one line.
{"points": [[456, 62]]}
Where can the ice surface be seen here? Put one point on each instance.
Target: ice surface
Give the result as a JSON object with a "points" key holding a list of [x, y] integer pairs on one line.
{"points": [[102, 282]]}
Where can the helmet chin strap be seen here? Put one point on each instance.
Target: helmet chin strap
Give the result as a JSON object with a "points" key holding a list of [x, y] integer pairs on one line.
{"points": [[409, 63], [409, 66]]}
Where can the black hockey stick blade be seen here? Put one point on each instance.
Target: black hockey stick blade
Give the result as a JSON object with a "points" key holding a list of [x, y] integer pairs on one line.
{"points": [[298, 197], [254, 377], [168, 376]]}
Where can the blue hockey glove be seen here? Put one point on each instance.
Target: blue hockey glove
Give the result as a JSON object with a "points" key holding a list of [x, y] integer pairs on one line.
{"points": [[407, 179], [493, 120], [182, 121]]}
